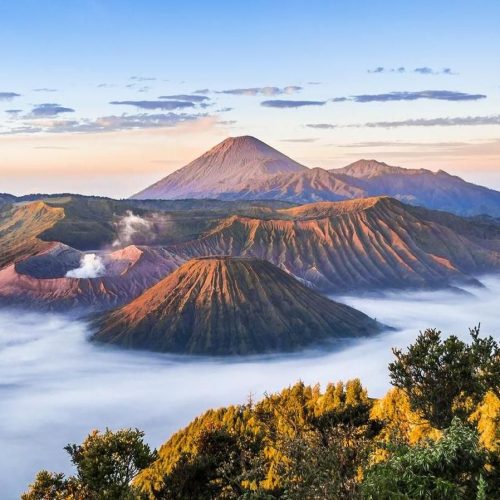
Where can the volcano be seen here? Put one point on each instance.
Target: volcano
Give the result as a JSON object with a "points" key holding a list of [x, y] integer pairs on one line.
{"points": [[230, 306], [225, 168]]}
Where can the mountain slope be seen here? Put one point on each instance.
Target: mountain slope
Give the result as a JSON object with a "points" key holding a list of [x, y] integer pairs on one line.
{"points": [[224, 168], [21, 228], [360, 244], [436, 190], [307, 186], [40, 281], [244, 168], [222, 306]]}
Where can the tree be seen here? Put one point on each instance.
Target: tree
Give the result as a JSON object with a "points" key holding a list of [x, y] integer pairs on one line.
{"points": [[220, 465], [446, 378], [106, 464], [453, 467]]}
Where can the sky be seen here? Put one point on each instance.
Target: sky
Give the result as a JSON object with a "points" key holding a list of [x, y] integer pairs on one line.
{"points": [[107, 96]]}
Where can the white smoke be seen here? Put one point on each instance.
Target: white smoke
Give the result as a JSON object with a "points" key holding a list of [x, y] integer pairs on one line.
{"points": [[130, 225], [91, 266]]}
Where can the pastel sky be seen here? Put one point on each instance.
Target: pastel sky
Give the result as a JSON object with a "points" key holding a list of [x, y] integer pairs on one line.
{"points": [[106, 96]]}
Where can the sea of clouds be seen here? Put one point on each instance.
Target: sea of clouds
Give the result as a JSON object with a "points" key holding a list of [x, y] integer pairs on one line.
{"points": [[55, 386]]}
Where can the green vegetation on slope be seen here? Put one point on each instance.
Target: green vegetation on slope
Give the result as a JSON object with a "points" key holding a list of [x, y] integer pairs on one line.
{"points": [[307, 443]]}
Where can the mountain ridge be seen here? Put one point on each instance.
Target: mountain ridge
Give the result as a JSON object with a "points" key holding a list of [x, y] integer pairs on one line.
{"points": [[247, 176]]}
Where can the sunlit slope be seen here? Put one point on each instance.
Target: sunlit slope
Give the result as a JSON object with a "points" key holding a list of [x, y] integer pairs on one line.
{"points": [[360, 244], [223, 306], [227, 167], [21, 227]]}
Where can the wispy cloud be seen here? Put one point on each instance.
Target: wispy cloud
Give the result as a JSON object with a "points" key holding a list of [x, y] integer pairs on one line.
{"points": [[423, 70], [143, 78], [186, 97], [266, 91], [8, 96], [165, 105], [13, 112], [44, 89], [441, 95], [106, 123], [304, 139], [321, 126], [106, 86], [401, 144], [436, 122], [282, 103], [49, 109]]}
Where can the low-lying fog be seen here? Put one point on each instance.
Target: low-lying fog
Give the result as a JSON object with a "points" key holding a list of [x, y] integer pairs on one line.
{"points": [[55, 386]]}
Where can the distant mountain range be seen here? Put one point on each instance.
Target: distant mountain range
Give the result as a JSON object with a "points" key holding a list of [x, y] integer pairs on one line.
{"points": [[230, 306], [245, 168]]}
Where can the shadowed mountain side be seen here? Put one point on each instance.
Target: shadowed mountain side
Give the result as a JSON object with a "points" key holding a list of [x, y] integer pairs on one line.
{"points": [[128, 273], [222, 306], [435, 190], [306, 186], [360, 244]]}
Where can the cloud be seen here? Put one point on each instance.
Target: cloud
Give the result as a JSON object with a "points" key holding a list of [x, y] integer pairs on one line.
{"points": [[382, 69], [441, 95], [8, 96], [143, 78], [186, 97], [13, 112], [110, 123], [401, 144], [44, 89], [163, 105], [305, 139], [340, 99], [282, 103], [436, 122], [267, 91], [25, 129], [227, 122], [106, 85], [49, 109], [202, 91], [325, 126], [424, 70]]}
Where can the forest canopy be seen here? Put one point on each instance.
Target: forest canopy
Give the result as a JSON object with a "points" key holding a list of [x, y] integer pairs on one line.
{"points": [[435, 434]]}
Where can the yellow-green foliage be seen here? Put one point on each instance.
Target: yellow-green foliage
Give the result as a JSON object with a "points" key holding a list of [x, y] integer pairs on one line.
{"points": [[487, 419], [400, 422], [286, 413]]}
